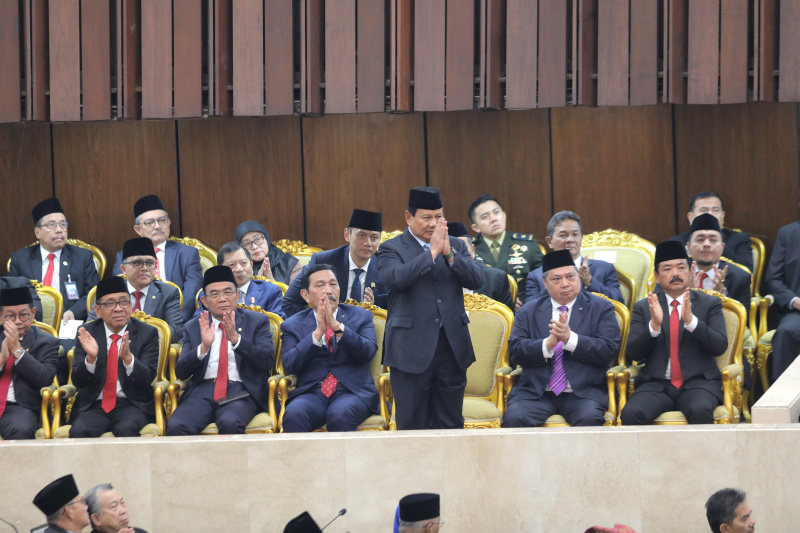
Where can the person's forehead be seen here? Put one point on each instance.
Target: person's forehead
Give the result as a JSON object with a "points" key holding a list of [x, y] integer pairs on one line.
{"points": [[711, 201], [422, 213], [560, 271], [252, 235], [17, 308], [140, 258], [674, 263], [355, 231], [220, 286], [113, 296], [742, 509], [155, 213], [567, 225], [705, 234], [322, 275], [234, 256], [487, 206], [53, 217], [109, 496]]}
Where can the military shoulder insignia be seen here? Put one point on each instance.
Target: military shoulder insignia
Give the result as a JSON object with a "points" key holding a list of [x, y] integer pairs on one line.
{"points": [[522, 236]]}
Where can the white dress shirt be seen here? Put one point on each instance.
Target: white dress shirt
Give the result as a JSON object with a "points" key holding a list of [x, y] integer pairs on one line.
{"points": [[689, 327], [352, 276], [128, 368], [56, 281], [213, 354]]}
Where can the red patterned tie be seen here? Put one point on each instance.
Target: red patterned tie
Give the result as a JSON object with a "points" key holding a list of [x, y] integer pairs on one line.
{"points": [[676, 378], [329, 338], [112, 366], [5, 381], [330, 381], [703, 277], [221, 386], [158, 265], [48, 276], [137, 295]]}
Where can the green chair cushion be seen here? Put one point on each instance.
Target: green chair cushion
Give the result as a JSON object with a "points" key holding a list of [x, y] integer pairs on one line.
{"points": [[767, 338], [150, 430], [373, 422], [261, 423], [476, 410]]}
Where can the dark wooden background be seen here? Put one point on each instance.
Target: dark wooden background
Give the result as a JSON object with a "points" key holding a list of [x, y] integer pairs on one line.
{"points": [[631, 168]]}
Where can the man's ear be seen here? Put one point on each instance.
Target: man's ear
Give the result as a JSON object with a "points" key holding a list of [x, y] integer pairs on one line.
{"points": [[304, 294]]}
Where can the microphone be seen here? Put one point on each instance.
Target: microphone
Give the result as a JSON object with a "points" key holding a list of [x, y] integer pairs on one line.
{"points": [[343, 511]]}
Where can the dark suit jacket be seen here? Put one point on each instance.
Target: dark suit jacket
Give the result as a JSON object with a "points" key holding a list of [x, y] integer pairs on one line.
{"points": [[737, 246], [593, 320], [182, 268], [136, 529], [517, 262], [36, 369], [254, 355], [163, 301], [496, 285], [350, 359], [264, 294], [737, 284], [137, 387], [783, 273], [423, 296], [79, 268], [697, 350], [338, 257], [604, 281]]}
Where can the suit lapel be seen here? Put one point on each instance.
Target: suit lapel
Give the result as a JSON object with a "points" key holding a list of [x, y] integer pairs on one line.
{"points": [[151, 301], [343, 264], [35, 260], [65, 266], [578, 311], [170, 251], [543, 317], [254, 292], [372, 278]]}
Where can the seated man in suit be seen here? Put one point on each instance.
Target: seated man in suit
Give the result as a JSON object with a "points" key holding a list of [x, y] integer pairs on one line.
{"points": [[107, 510], [28, 362], [61, 503], [363, 234], [264, 294], [268, 260], [67, 268], [153, 296], [175, 261], [227, 355], [564, 341], [496, 285], [676, 334], [115, 363], [737, 244], [329, 347], [516, 254], [565, 232]]}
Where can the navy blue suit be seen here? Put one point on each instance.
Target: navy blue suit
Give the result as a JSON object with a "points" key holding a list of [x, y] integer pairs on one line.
{"points": [[783, 282], [604, 281], [592, 319], [339, 257], [264, 294], [349, 362], [254, 361], [182, 268]]}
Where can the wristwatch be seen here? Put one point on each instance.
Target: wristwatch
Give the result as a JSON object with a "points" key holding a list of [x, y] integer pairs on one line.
{"points": [[450, 255], [340, 330], [18, 352]]}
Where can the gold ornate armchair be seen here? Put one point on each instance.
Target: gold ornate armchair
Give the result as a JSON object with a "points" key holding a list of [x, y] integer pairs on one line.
{"points": [[376, 422], [627, 287], [98, 256], [386, 235], [512, 283], [52, 305], [67, 392], [299, 249], [759, 262], [265, 422], [282, 286], [729, 363], [208, 257], [629, 253], [45, 430]]}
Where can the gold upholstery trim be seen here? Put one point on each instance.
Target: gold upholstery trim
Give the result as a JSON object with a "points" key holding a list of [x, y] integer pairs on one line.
{"points": [[386, 235], [296, 247]]}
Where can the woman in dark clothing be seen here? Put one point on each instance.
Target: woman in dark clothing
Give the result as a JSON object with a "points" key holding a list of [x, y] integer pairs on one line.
{"points": [[268, 260]]}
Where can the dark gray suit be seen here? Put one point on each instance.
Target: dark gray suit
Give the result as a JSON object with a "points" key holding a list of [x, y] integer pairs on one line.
{"points": [[496, 285], [783, 282]]}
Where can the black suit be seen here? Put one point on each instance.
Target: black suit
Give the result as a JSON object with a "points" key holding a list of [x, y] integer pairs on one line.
{"points": [[737, 246], [496, 285], [35, 370], [75, 263], [783, 282], [427, 342], [701, 392], [135, 411]]}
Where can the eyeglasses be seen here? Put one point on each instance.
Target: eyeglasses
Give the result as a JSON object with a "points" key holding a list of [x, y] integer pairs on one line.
{"points": [[80, 500], [258, 241], [440, 523], [23, 317], [52, 225], [149, 223], [150, 265], [242, 263], [110, 306], [227, 293]]}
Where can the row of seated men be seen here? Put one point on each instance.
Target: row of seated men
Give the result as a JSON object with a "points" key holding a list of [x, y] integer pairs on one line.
{"points": [[567, 238]]}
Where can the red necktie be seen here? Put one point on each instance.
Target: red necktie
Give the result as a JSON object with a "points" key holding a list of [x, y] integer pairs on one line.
{"points": [[5, 381], [330, 381], [676, 378], [112, 367], [329, 338], [48, 276], [158, 266], [138, 296], [703, 277], [221, 386]]}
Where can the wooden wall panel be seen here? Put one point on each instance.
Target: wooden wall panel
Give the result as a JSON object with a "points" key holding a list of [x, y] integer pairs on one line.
{"points": [[733, 52], [789, 84], [340, 56], [506, 155], [187, 32], [248, 59], [129, 59], [613, 37], [644, 52], [766, 59], [584, 44], [613, 166], [751, 163], [492, 53], [429, 55], [234, 170], [156, 59], [359, 161], [552, 53], [460, 55], [96, 59], [102, 168], [676, 24], [65, 60], [370, 67], [703, 83], [278, 59], [312, 17], [401, 54], [27, 180], [522, 53], [10, 18]]}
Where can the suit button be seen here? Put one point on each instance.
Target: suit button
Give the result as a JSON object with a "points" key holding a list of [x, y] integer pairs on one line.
{"points": [[438, 301], [437, 320]]}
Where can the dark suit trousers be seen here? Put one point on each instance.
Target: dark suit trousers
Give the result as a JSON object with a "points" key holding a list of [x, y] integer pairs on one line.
{"points": [[343, 411], [785, 344], [18, 422], [124, 420], [433, 399], [576, 411], [697, 405], [199, 410]]}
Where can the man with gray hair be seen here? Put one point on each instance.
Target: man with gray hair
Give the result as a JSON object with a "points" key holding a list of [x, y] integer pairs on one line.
{"points": [[728, 512], [63, 506], [107, 510], [565, 232]]}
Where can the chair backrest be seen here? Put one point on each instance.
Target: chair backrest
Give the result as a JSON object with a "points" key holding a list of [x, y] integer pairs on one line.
{"points": [[46, 328], [52, 304], [379, 321], [275, 322], [490, 324], [759, 260], [298, 249], [627, 287], [164, 338], [735, 325], [98, 256], [512, 283], [208, 257], [628, 252], [624, 320], [282, 286], [386, 235]]}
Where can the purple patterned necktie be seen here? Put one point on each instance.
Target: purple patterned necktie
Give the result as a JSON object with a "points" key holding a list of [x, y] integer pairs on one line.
{"points": [[558, 378]]}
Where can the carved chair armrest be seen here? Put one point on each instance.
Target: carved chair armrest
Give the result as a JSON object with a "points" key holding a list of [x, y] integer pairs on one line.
{"points": [[285, 384], [159, 388]]}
